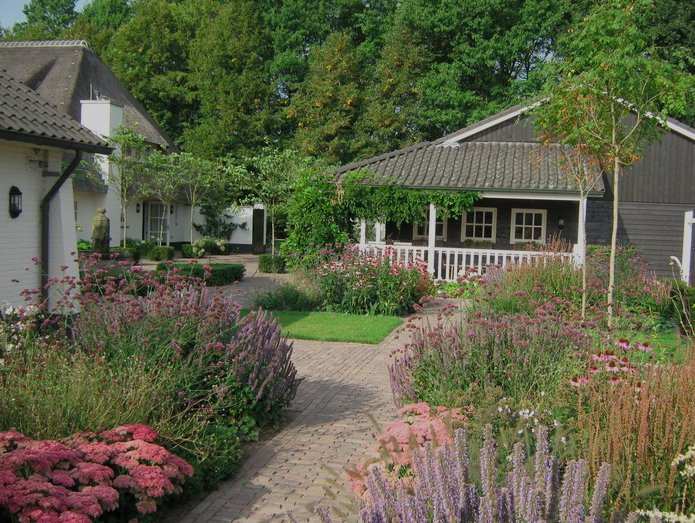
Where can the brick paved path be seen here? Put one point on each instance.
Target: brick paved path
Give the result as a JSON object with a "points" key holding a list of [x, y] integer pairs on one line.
{"points": [[343, 382]]}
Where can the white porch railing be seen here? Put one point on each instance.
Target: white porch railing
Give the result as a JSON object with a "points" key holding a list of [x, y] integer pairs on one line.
{"points": [[450, 262]]}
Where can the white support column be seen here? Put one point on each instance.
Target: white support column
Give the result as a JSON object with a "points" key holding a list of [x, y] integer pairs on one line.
{"points": [[688, 221], [363, 233], [379, 231], [431, 238]]}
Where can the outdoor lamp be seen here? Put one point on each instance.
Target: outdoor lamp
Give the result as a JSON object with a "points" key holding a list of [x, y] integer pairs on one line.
{"points": [[137, 207], [171, 210], [561, 223], [15, 202]]}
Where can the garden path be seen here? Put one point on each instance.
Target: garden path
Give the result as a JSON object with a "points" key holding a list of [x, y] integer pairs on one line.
{"points": [[342, 384]]}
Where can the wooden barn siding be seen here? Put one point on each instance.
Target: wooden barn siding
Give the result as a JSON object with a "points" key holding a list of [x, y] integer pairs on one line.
{"points": [[655, 229], [514, 130], [665, 175]]}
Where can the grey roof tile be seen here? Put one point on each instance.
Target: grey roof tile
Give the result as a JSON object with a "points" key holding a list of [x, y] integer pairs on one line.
{"points": [[25, 116], [490, 166]]}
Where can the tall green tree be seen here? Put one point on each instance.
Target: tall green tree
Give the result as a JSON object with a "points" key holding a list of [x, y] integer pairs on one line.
{"points": [[610, 94], [326, 105], [48, 16], [486, 54], [392, 100], [229, 68], [98, 22], [150, 54]]}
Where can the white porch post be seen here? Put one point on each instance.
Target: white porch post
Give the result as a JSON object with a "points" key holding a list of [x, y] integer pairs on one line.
{"points": [[431, 238], [363, 233], [688, 221], [379, 231]]}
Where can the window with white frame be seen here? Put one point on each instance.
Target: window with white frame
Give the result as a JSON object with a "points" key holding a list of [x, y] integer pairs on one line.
{"points": [[480, 224], [528, 225], [420, 232]]}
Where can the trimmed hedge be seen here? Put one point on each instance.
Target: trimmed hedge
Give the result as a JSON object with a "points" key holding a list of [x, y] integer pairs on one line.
{"points": [[187, 251], [271, 263], [161, 253], [220, 273]]}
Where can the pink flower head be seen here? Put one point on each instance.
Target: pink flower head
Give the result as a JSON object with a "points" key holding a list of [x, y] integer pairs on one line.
{"points": [[623, 344], [645, 347], [578, 381]]}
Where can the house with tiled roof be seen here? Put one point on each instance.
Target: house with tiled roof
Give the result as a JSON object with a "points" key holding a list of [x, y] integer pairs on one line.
{"points": [[73, 77], [527, 197], [70, 75], [37, 217]]}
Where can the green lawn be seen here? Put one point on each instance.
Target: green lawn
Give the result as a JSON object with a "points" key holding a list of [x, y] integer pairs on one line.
{"points": [[332, 326]]}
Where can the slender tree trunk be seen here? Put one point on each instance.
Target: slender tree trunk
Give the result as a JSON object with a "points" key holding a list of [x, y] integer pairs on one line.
{"points": [[124, 210], [161, 226], [168, 214], [192, 210], [272, 233], [614, 240]]}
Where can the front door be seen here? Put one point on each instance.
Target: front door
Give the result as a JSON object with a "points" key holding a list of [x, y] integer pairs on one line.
{"points": [[155, 222]]}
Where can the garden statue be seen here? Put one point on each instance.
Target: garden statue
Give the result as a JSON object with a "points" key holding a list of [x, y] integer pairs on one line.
{"points": [[101, 232]]}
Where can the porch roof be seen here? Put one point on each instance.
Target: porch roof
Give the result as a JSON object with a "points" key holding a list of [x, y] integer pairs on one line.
{"points": [[476, 166]]}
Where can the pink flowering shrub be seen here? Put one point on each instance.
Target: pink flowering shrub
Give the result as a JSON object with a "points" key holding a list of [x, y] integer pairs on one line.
{"points": [[396, 444], [362, 283], [87, 475]]}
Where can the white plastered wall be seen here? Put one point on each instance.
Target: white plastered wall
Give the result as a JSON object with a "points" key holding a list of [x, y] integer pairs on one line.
{"points": [[21, 236]]}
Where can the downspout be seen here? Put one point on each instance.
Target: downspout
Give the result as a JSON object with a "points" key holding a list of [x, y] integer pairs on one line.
{"points": [[45, 211]]}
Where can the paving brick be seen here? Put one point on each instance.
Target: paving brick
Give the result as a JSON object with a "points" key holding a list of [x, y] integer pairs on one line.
{"points": [[343, 383]]}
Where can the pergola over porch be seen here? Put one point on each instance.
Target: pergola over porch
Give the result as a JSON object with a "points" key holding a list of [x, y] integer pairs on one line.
{"points": [[526, 197]]}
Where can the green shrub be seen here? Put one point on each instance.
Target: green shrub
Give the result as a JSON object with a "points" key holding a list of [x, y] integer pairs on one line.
{"points": [[368, 284], [187, 251], [161, 253], [271, 263], [208, 246], [84, 245], [218, 273], [289, 298]]}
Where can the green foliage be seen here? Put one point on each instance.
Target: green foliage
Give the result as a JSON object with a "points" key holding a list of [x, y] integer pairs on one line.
{"points": [[327, 103], [213, 274], [150, 55], [270, 178], [355, 283], [161, 253], [321, 212], [84, 245], [125, 177], [187, 251], [288, 297], [271, 263], [48, 16], [227, 64]]}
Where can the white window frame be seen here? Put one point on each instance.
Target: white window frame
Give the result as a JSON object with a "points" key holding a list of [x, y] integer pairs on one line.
{"points": [[426, 227], [464, 222], [544, 223]]}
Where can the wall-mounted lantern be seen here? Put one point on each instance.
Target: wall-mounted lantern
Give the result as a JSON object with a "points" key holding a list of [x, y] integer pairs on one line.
{"points": [[15, 202], [137, 207], [561, 223], [171, 210]]}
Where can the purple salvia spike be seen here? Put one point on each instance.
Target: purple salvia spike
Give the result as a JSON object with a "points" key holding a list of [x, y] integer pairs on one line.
{"points": [[488, 474], [600, 490], [542, 454], [322, 513], [552, 488], [573, 491]]}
